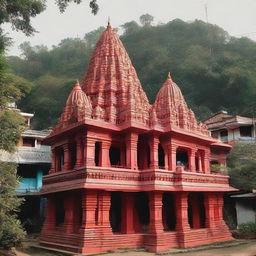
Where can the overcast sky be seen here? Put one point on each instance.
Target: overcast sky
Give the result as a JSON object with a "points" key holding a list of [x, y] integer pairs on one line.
{"points": [[235, 16]]}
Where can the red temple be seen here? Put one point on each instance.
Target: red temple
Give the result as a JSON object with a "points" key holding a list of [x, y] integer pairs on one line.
{"points": [[128, 174]]}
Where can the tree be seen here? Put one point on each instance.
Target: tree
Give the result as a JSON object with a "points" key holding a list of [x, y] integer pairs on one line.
{"points": [[130, 27], [64, 3], [146, 19], [241, 163]]}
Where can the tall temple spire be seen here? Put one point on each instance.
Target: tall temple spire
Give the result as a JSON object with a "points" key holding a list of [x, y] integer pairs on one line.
{"points": [[112, 84]]}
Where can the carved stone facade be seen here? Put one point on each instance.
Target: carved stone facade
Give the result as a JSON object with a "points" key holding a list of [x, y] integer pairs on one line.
{"points": [[125, 173]]}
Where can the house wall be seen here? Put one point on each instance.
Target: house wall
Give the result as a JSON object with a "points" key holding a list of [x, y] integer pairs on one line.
{"points": [[245, 211]]}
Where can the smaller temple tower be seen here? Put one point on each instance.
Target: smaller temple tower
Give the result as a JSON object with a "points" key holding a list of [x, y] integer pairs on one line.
{"points": [[125, 173]]}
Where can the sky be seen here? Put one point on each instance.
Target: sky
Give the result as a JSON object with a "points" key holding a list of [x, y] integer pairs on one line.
{"points": [[237, 17]]}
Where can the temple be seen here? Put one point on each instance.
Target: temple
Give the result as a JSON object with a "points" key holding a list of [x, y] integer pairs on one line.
{"points": [[128, 174]]}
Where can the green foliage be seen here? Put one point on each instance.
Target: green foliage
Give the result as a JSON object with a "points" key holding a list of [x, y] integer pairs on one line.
{"points": [[247, 228], [241, 163], [19, 13], [64, 3], [146, 19], [11, 232]]}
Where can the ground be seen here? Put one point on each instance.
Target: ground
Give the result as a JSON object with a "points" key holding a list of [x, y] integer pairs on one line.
{"points": [[239, 248]]}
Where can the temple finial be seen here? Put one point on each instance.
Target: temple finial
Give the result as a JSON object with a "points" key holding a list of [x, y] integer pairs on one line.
{"points": [[169, 76], [109, 22], [77, 85]]}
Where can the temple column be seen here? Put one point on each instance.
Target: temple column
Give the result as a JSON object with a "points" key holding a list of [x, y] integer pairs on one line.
{"points": [[89, 204], [199, 162], [66, 165], [155, 206], [89, 151], [219, 205], [165, 148], [153, 143], [104, 153], [181, 212], [207, 168], [192, 160], [53, 159], [128, 213], [209, 204], [172, 157], [50, 221], [79, 152], [104, 203], [69, 205], [131, 150], [195, 212]]}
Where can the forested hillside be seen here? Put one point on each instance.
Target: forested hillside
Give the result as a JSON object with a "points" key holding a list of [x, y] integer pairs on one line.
{"points": [[214, 71]]}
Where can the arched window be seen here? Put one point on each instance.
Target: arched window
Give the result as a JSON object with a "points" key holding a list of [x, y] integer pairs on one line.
{"points": [[182, 158], [161, 162]]}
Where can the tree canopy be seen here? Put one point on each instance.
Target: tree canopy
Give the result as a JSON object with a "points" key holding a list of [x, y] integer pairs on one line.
{"points": [[214, 70], [241, 163]]}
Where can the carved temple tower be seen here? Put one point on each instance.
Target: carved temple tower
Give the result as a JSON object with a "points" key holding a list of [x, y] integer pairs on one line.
{"points": [[125, 173]]}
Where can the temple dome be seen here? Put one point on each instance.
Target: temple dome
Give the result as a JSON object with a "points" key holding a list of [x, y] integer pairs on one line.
{"points": [[170, 109], [112, 84], [78, 107]]}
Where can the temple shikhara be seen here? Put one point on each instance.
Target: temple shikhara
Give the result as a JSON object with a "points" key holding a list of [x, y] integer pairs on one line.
{"points": [[128, 174]]}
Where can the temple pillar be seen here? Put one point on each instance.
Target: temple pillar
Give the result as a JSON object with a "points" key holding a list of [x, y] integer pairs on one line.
{"points": [[127, 226], [79, 152], [172, 157], [153, 143], [219, 211], [154, 240], [89, 151], [209, 204], [104, 153], [50, 221], [155, 206], [195, 212], [131, 150], [66, 165], [199, 162], [53, 158], [181, 212], [69, 205], [192, 159], [207, 168], [165, 148]]}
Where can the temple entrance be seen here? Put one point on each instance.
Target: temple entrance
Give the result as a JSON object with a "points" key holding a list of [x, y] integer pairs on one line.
{"points": [[97, 153], [142, 209], [168, 212], [60, 211], [161, 162], [196, 210], [59, 159], [182, 158], [143, 153], [114, 156], [72, 148], [115, 212]]}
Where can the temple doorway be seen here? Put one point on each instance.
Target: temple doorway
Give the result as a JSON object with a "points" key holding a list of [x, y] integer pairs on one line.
{"points": [[114, 156], [161, 162], [182, 158], [168, 212], [142, 209], [115, 212]]}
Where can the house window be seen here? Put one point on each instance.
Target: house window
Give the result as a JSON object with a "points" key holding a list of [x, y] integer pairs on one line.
{"points": [[28, 142], [245, 131], [215, 134]]}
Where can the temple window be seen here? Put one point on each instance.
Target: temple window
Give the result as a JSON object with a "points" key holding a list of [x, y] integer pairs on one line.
{"points": [[73, 155], [161, 162], [28, 142], [60, 211], [97, 153], [168, 212], [142, 209], [114, 156], [182, 158], [196, 210], [115, 212], [59, 159]]}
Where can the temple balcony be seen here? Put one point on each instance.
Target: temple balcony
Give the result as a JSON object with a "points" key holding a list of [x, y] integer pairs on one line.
{"points": [[134, 180]]}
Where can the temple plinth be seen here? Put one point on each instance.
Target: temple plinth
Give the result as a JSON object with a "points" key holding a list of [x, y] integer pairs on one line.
{"points": [[128, 174]]}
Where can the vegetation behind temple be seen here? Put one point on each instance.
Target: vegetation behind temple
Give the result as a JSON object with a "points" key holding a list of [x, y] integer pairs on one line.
{"points": [[215, 71]]}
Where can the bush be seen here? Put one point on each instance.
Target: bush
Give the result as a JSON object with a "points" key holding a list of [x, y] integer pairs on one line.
{"points": [[247, 228]]}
